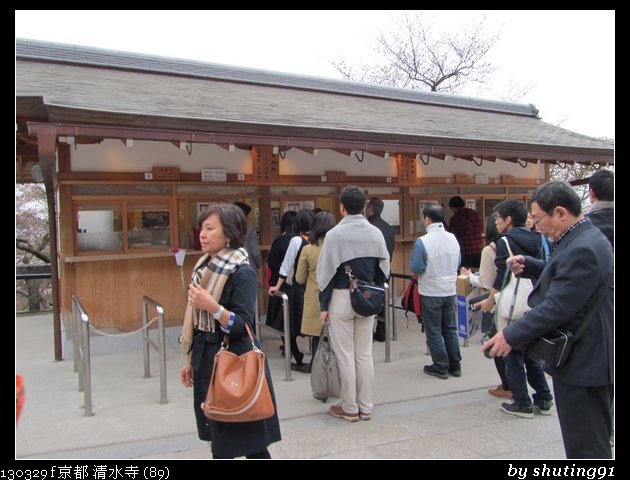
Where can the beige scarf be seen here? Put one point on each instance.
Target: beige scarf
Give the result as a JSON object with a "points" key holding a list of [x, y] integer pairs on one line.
{"points": [[213, 279]]}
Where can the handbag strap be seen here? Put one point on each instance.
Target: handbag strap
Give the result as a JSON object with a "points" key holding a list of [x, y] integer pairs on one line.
{"points": [[352, 282], [226, 339], [348, 270], [508, 272], [590, 315], [324, 331], [507, 244]]}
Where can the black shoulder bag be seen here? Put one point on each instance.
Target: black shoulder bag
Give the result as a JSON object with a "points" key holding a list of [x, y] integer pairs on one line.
{"points": [[554, 347], [366, 297]]}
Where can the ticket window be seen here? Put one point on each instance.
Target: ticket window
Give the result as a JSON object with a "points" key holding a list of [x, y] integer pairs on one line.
{"points": [[280, 206], [148, 225], [99, 227], [391, 214]]}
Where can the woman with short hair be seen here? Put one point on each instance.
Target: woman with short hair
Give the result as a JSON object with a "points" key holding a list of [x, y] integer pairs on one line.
{"points": [[221, 302]]}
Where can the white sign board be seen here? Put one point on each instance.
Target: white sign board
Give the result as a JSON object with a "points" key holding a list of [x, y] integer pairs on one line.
{"points": [[213, 174]]}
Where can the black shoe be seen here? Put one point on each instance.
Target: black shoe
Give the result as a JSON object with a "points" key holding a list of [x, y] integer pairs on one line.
{"points": [[518, 410], [543, 406], [301, 367], [379, 337], [435, 371], [455, 371]]}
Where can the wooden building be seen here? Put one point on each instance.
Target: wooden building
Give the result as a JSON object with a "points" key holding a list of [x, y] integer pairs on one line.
{"points": [[132, 147]]}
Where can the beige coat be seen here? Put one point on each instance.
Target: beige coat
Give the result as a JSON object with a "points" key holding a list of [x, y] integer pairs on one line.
{"points": [[307, 265]]}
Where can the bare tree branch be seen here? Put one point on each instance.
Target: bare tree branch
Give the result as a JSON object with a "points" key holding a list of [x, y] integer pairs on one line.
{"points": [[34, 251], [412, 56], [575, 171], [31, 224]]}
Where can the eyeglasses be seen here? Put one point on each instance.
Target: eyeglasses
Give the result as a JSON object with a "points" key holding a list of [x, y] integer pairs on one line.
{"points": [[537, 220]]}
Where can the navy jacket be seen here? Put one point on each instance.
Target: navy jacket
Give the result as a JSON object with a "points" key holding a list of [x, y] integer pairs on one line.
{"points": [[562, 296], [522, 242]]}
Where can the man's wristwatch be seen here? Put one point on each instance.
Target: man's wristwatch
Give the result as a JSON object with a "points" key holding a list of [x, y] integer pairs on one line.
{"points": [[219, 313]]}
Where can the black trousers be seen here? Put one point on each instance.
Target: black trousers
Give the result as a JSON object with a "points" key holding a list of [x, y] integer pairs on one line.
{"points": [[585, 419], [471, 260]]}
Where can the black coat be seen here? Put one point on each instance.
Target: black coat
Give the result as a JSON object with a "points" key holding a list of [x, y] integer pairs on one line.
{"points": [[232, 439], [604, 219], [562, 296], [388, 233], [276, 255]]}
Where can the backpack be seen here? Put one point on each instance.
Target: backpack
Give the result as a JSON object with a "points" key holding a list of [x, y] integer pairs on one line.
{"points": [[410, 300]]}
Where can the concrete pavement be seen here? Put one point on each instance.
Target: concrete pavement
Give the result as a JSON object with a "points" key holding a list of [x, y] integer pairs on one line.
{"points": [[416, 415]]}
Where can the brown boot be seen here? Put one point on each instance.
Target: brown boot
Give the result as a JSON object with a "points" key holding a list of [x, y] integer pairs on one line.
{"points": [[500, 392]]}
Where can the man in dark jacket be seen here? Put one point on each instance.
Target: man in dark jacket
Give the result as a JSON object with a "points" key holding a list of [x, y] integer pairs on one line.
{"points": [[567, 287], [251, 239], [602, 195], [373, 211]]}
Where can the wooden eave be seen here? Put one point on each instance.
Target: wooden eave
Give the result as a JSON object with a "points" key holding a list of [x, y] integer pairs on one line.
{"points": [[120, 126]]}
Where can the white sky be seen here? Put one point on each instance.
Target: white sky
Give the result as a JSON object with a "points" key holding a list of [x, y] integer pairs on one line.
{"points": [[567, 55]]}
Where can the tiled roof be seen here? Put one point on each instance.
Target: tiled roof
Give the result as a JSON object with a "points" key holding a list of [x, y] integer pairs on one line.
{"points": [[153, 63]]}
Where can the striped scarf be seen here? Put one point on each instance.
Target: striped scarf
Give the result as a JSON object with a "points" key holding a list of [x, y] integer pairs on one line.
{"points": [[211, 273]]}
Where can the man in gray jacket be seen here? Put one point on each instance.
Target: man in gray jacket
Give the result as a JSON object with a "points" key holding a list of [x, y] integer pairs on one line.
{"points": [[567, 287]]}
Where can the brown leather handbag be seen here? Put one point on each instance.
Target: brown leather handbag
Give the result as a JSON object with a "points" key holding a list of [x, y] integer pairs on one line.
{"points": [[238, 389]]}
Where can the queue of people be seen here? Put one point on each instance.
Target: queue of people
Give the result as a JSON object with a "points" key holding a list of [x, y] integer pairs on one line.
{"points": [[567, 260]]}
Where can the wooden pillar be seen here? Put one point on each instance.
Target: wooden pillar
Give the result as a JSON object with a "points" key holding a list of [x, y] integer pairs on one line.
{"points": [[407, 213], [265, 215], [66, 234], [46, 147]]}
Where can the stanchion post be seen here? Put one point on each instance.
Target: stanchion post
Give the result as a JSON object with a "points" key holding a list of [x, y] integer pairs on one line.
{"points": [[287, 335], [74, 323], [394, 326], [388, 319], [160, 347], [162, 353], [87, 373], [81, 324], [145, 338]]}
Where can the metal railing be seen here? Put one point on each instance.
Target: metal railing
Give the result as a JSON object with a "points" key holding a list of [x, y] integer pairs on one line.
{"points": [[28, 279], [286, 333], [81, 352], [389, 321], [160, 347]]}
